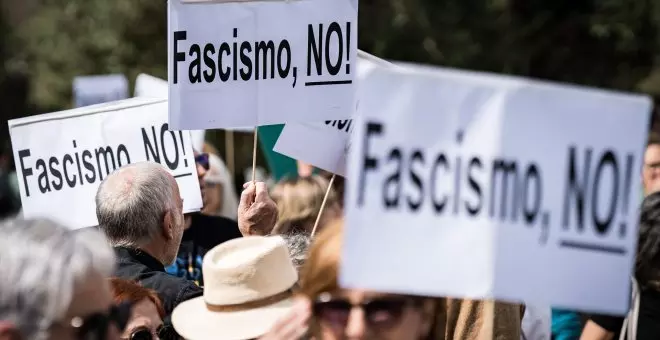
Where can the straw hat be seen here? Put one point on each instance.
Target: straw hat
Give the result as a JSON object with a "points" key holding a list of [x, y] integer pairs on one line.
{"points": [[248, 284]]}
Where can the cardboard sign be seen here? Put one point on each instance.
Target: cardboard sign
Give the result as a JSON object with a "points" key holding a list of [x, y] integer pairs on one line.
{"points": [[251, 63], [90, 90], [484, 187], [150, 86], [325, 145], [61, 158]]}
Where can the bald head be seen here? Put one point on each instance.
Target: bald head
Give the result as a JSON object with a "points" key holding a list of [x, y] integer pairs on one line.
{"points": [[132, 202]]}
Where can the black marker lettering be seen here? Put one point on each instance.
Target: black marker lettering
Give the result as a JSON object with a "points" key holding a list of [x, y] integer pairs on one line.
{"points": [[178, 56], [369, 163], [209, 73], [52, 163], [22, 154]]}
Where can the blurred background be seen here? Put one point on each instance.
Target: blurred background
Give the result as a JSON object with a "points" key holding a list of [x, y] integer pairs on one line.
{"points": [[612, 44]]}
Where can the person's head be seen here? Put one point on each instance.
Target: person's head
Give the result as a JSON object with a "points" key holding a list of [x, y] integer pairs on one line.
{"points": [[299, 202], [298, 244], [357, 314], [147, 313], [651, 168], [214, 180], [139, 206], [55, 283]]}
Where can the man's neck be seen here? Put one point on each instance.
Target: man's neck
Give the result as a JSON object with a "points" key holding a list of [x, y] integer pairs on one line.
{"points": [[154, 251]]}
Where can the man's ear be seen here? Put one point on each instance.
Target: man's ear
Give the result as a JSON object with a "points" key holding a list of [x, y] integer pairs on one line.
{"points": [[168, 225], [8, 331]]}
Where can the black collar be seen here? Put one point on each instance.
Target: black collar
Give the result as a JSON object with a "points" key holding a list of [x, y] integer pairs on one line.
{"points": [[137, 255]]}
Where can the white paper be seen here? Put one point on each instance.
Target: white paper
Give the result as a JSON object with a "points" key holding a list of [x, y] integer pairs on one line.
{"points": [[150, 86], [325, 145], [449, 238], [106, 136], [290, 88], [90, 90], [153, 87]]}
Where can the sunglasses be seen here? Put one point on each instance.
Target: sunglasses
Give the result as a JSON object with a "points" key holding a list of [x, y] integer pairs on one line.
{"points": [[163, 333], [95, 326], [380, 313], [203, 160]]}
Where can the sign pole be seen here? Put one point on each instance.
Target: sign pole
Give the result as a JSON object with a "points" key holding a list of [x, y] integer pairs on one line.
{"points": [[254, 155], [325, 199]]}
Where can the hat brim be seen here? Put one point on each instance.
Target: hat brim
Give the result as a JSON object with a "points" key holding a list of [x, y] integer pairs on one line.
{"points": [[193, 321]]}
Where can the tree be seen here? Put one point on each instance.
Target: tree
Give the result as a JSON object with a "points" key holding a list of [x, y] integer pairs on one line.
{"points": [[67, 38], [606, 43]]}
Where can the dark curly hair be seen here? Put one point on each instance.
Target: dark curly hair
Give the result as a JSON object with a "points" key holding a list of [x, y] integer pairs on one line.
{"points": [[647, 262]]}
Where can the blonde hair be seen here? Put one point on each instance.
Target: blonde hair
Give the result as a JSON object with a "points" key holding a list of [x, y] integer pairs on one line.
{"points": [[299, 202]]}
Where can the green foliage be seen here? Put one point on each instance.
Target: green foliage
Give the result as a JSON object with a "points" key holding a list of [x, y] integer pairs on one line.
{"points": [[606, 43], [66, 38]]}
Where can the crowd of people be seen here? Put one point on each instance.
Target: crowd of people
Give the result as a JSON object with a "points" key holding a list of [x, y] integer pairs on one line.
{"points": [[250, 268]]}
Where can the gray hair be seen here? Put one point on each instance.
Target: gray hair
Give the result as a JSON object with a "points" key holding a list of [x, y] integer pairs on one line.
{"points": [[42, 265], [131, 203], [298, 243]]}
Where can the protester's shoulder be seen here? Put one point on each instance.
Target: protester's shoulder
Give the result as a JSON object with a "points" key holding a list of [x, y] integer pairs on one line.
{"points": [[608, 322], [188, 292], [209, 231], [171, 288], [208, 220]]}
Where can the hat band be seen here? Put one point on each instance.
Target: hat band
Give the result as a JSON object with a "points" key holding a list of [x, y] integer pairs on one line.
{"points": [[251, 304]]}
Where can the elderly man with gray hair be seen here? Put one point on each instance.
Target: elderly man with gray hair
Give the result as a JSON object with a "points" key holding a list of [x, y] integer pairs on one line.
{"points": [[140, 210], [54, 283]]}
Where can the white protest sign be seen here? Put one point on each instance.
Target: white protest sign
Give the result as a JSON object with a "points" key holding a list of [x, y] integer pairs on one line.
{"points": [[90, 90], [253, 63], [150, 86], [484, 187], [325, 145], [61, 158], [153, 87]]}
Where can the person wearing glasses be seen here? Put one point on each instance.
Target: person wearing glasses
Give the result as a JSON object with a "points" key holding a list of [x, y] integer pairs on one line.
{"points": [[54, 284], [651, 169], [147, 313], [356, 314]]}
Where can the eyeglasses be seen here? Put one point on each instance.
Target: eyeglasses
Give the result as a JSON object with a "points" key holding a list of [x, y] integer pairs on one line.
{"points": [[203, 160], [381, 313], [163, 333], [95, 326]]}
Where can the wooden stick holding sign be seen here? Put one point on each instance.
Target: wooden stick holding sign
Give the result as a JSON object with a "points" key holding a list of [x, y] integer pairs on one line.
{"points": [[229, 151], [325, 199], [254, 155]]}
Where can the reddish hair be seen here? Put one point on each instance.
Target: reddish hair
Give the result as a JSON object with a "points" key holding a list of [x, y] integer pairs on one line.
{"points": [[133, 292]]}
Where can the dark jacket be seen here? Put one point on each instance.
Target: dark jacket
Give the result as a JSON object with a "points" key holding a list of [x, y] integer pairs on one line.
{"points": [[205, 232], [134, 264]]}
